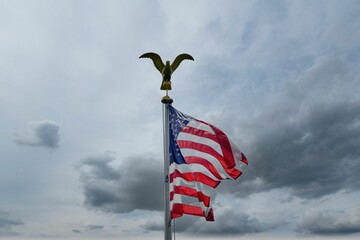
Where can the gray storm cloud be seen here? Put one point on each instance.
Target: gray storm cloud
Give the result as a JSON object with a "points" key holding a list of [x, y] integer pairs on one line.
{"points": [[110, 186], [41, 134], [307, 141], [88, 228]]}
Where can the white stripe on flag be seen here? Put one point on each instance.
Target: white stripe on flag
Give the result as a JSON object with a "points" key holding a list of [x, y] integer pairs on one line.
{"points": [[183, 199], [201, 126], [192, 168], [198, 186], [201, 140]]}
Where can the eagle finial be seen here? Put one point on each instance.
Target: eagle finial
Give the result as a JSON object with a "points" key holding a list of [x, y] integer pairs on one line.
{"points": [[166, 69]]}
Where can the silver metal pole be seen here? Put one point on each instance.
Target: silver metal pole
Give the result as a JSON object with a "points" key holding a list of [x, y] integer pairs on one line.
{"points": [[166, 132]]}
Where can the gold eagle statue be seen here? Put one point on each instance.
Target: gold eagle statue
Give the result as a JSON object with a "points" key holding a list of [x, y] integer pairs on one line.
{"points": [[166, 69]]}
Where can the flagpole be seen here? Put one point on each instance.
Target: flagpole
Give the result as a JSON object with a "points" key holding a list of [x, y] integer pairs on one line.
{"points": [[166, 71], [166, 101]]}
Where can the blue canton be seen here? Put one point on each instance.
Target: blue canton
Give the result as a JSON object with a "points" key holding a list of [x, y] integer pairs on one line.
{"points": [[177, 121]]}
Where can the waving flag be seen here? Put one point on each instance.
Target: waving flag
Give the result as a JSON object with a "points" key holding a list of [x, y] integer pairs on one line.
{"points": [[201, 156]]}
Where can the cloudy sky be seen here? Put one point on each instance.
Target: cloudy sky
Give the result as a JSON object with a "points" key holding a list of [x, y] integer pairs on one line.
{"points": [[81, 127]]}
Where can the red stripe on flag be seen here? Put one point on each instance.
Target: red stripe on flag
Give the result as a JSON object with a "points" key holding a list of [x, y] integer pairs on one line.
{"points": [[200, 133], [179, 209], [192, 193], [205, 163], [200, 147], [234, 173], [244, 159], [225, 145], [194, 177]]}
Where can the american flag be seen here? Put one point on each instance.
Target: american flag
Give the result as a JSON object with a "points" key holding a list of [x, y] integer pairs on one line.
{"points": [[201, 156]]}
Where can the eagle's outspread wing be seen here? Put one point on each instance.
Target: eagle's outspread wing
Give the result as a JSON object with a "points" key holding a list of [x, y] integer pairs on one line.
{"points": [[156, 59], [179, 59]]}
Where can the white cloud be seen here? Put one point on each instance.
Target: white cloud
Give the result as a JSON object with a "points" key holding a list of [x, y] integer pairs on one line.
{"points": [[330, 222], [7, 223]]}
